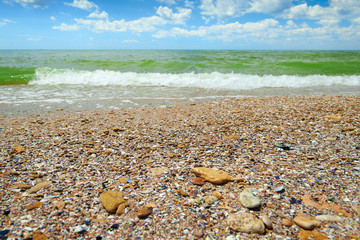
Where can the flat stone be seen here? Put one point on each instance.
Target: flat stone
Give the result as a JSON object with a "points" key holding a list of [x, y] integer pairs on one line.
{"points": [[19, 149], [248, 199], [246, 223], [39, 236], [144, 212], [306, 221], [286, 222], [199, 181], [356, 209], [329, 218], [21, 186], [158, 171], [34, 205], [111, 200], [39, 186], [307, 235], [212, 175]]}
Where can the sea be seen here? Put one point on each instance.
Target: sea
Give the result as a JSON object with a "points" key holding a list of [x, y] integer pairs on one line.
{"points": [[45, 80]]}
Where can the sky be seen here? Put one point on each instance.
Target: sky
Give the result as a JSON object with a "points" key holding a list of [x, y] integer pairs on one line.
{"points": [[180, 24]]}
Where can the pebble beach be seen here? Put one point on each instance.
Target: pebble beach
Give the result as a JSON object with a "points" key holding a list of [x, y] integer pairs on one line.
{"points": [[238, 168]]}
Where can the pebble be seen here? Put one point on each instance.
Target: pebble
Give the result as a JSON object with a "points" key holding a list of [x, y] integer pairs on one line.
{"points": [[158, 171], [199, 181], [246, 223], [306, 221], [111, 200], [39, 186], [144, 212], [248, 199], [34, 205], [212, 175], [286, 222], [209, 200], [329, 218], [121, 208], [356, 209], [267, 221]]}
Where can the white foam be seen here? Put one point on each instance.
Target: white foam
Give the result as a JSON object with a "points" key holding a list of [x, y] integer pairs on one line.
{"points": [[215, 80]]}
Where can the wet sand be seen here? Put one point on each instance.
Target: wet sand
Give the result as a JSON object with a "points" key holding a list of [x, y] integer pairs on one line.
{"points": [[296, 154]]}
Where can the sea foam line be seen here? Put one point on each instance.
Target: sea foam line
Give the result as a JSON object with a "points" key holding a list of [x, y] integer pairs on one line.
{"points": [[215, 80]]}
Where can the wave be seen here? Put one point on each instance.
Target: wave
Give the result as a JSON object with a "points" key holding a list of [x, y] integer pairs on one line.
{"points": [[214, 80]]}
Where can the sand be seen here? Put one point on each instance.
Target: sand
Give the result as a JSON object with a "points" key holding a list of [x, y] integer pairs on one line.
{"points": [[298, 155]]}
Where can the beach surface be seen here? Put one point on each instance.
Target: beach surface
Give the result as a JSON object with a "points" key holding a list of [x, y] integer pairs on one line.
{"points": [[290, 156]]}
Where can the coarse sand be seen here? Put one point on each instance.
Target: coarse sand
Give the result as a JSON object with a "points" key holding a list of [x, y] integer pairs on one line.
{"points": [[300, 156]]}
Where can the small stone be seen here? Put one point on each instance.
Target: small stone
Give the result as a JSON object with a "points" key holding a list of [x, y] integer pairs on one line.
{"points": [[209, 200], [279, 189], [248, 199], [356, 209], [307, 235], [123, 180], [212, 175], [21, 186], [60, 205], [246, 223], [329, 218], [158, 171], [111, 200], [218, 195], [121, 208], [199, 181], [267, 222], [34, 205], [286, 222], [170, 154], [19, 149], [39, 186], [183, 193], [39, 236], [144, 212], [306, 221], [198, 233]]}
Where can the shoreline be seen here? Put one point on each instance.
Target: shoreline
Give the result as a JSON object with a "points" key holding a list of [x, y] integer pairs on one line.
{"points": [[149, 152]]}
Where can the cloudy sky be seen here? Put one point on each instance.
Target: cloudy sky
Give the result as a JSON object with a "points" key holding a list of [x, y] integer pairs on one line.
{"points": [[180, 24]]}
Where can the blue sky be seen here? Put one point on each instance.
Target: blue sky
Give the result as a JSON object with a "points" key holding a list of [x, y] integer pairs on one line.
{"points": [[175, 24]]}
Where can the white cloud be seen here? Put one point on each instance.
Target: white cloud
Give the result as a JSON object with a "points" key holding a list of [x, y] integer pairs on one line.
{"points": [[130, 41], [146, 24], [98, 14], [5, 21], [226, 32], [65, 27], [174, 18], [168, 2], [189, 4], [269, 6], [224, 8], [52, 18], [34, 3], [82, 4]]}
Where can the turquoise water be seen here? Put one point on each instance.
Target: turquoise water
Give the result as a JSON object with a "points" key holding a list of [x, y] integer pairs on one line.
{"points": [[70, 76], [21, 66]]}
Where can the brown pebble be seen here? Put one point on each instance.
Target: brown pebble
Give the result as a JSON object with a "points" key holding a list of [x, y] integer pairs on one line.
{"points": [[121, 208], [39, 186], [198, 233], [198, 181], [60, 205], [19, 149], [144, 212], [34, 205], [286, 222], [39, 236]]}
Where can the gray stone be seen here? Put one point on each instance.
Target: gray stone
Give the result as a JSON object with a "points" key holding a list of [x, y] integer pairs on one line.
{"points": [[248, 199], [306, 221]]}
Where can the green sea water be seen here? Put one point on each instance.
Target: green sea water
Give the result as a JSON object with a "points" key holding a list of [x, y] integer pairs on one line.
{"points": [[21, 66]]}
